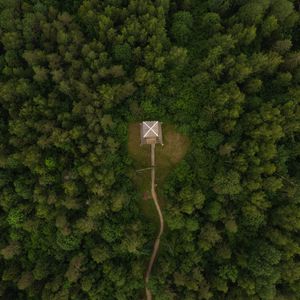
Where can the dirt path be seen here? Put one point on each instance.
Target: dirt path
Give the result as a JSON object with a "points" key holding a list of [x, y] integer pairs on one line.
{"points": [[161, 220]]}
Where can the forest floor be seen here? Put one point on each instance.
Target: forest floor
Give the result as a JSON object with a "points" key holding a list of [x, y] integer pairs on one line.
{"points": [[167, 156]]}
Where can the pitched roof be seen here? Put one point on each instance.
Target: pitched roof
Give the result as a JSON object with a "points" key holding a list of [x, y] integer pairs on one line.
{"points": [[150, 129]]}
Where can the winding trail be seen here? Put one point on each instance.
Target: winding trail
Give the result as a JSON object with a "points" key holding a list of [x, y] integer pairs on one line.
{"points": [[161, 220]]}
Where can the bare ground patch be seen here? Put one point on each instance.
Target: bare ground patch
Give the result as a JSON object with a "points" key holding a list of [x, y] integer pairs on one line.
{"points": [[167, 156]]}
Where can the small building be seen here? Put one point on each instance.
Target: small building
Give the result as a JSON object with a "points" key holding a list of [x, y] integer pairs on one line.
{"points": [[151, 132]]}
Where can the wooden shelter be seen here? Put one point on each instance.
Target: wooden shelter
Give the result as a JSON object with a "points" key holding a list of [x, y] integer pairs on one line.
{"points": [[151, 132]]}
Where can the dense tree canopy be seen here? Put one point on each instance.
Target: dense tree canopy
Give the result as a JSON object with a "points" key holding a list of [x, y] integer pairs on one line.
{"points": [[74, 73]]}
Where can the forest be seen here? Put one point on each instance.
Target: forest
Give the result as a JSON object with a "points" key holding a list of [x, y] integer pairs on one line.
{"points": [[74, 74]]}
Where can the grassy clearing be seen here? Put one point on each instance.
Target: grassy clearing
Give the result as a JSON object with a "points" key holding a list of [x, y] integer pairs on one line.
{"points": [[167, 156]]}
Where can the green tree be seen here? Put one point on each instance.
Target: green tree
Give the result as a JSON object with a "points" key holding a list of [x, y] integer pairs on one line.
{"points": [[181, 27], [227, 183], [123, 53], [211, 23], [68, 242], [16, 217]]}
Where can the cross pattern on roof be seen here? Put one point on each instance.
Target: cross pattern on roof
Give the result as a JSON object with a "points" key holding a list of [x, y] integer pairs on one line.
{"points": [[151, 129]]}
